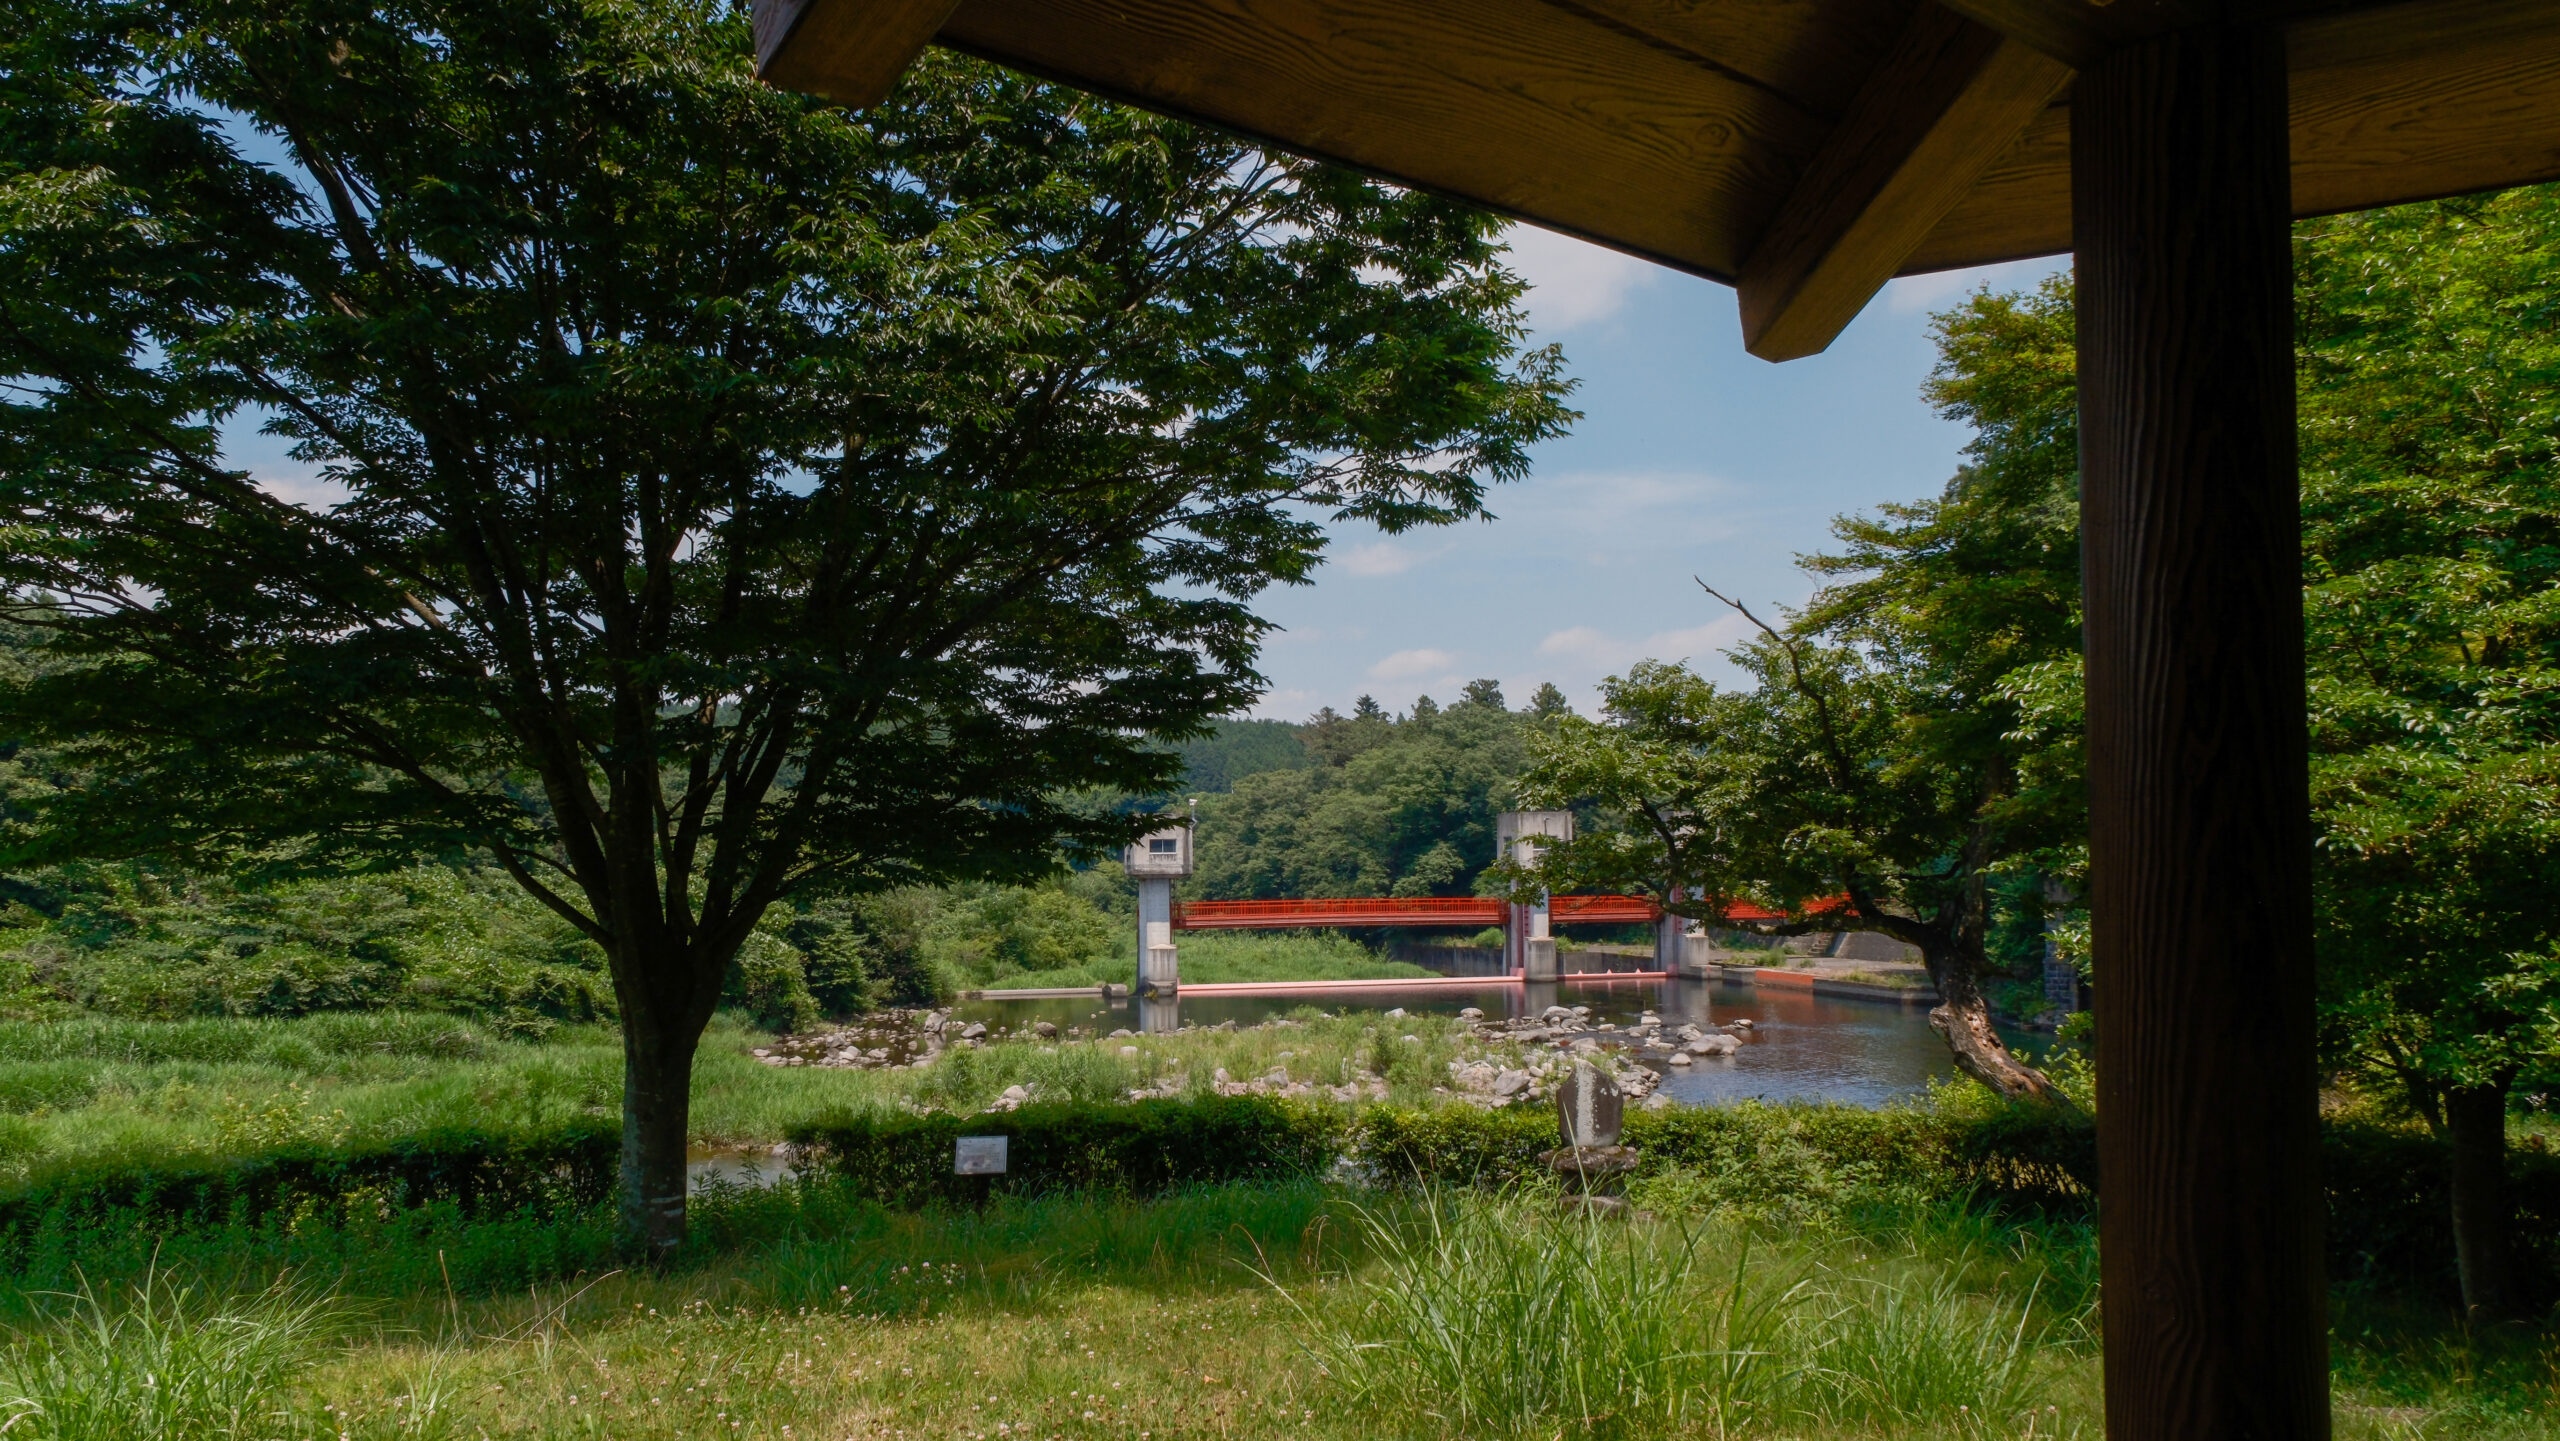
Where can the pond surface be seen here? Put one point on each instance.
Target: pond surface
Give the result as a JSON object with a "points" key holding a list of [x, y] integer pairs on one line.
{"points": [[1802, 1047]]}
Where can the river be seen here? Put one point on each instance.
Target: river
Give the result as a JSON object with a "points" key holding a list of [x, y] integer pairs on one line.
{"points": [[1801, 1046]]}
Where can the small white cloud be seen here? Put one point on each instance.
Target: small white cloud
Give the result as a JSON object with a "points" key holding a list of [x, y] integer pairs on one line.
{"points": [[1579, 640], [1573, 282], [1407, 664], [1383, 557], [1293, 704], [1913, 294], [1589, 652]]}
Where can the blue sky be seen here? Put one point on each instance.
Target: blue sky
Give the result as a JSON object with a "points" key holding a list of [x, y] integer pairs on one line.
{"points": [[1692, 460]]}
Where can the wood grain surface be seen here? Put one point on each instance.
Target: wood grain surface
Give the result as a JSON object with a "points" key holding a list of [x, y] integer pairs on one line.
{"points": [[1815, 52], [2210, 1203], [1522, 105], [850, 51], [1946, 101], [1676, 129], [2403, 102]]}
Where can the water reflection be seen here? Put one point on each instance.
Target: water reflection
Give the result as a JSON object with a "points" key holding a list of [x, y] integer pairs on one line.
{"points": [[1800, 1046]]}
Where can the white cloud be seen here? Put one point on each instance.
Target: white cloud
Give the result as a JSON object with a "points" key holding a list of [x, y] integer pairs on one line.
{"points": [[1574, 642], [1293, 704], [1383, 557], [1589, 652], [1913, 294], [1407, 664], [1573, 282]]}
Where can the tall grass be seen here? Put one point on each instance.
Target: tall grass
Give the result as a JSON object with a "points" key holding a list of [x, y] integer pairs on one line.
{"points": [[303, 1043], [160, 1361], [1502, 1318], [1895, 1350], [1493, 1319]]}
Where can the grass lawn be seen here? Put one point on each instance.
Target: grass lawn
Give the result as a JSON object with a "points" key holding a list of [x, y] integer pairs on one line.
{"points": [[1290, 1311], [1295, 1309]]}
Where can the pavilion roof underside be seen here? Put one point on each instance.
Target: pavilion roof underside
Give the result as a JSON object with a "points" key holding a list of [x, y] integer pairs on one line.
{"points": [[1745, 140]]}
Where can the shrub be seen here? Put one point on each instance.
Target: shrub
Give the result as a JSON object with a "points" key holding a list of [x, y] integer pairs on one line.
{"points": [[2390, 1218], [479, 1172], [768, 982], [1140, 1148]]}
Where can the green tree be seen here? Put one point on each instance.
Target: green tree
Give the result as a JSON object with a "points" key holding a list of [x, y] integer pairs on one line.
{"points": [[1887, 762], [2431, 502], [1802, 794], [742, 497]]}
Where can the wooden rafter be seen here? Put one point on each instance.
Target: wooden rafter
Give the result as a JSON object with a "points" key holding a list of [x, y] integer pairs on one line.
{"points": [[1948, 101]]}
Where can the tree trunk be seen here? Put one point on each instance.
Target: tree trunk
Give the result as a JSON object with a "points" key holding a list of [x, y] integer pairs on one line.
{"points": [[1963, 1019], [657, 1112], [2476, 1124]]}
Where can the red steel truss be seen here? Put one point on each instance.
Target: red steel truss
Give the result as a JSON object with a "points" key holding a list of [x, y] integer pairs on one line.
{"points": [[1352, 911], [1412, 912]]}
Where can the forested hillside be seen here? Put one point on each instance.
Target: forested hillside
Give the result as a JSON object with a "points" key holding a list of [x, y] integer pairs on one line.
{"points": [[1394, 805]]}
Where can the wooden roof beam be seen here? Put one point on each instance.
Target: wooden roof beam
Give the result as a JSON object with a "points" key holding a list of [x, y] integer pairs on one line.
{"points": [[1948, 100], [852, 54]]}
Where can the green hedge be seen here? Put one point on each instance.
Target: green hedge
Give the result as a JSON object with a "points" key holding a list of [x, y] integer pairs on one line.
{"points": [[1140, 1148], [2387, 1228], [478, 1172], [1151, 1146]]}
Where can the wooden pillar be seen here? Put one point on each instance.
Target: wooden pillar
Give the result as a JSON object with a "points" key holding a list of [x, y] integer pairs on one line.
{"points": [[2199, 825]]}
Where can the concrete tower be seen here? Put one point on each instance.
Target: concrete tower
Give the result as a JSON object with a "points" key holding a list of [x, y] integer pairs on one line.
{"points": [[1158, 860]]}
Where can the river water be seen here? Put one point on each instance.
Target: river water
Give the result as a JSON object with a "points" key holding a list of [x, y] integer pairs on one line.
{"points": [[1801, 1047]]}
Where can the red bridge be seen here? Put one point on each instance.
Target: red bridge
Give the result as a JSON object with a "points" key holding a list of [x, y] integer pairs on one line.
{"points": [[1459, 911]]}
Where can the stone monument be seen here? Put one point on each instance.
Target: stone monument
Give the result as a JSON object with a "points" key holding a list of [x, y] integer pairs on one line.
{"points": [[1590, 1110]]}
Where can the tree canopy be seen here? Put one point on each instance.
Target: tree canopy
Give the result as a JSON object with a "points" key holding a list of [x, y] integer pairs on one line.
{"points": [[740, 496], [2430, 339]]}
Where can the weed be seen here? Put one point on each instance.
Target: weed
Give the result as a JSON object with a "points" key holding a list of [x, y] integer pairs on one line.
{"points": [[160, 1359]]}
